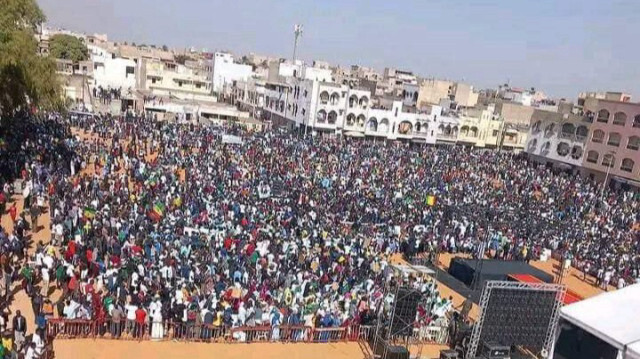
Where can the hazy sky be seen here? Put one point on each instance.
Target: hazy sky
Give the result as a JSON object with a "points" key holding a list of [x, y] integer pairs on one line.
{"points": [[560, 46]]}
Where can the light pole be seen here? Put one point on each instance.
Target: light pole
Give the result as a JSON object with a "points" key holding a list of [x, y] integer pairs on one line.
{"points": [[606, 177]]}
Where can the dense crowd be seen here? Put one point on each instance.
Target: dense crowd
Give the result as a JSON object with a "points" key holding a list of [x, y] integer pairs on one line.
{"points": [[154, 223]]}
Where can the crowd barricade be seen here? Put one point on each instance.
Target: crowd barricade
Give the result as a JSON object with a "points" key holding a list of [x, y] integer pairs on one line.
{"points": [[328, 335], [191, 332], [70, 328]]}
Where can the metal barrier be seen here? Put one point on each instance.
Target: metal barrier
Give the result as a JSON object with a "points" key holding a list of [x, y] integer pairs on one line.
{"points": [[190, 332]]}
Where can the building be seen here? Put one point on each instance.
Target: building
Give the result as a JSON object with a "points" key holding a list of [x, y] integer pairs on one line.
{"points": [[110, 70], [249, 96], [431, 91], [226, 70], [605, 138], [176, 81], [614, 141], [464, 95], [396, 79]]}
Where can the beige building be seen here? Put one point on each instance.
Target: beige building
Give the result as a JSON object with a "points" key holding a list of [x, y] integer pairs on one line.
{"points": [[431, 91], [464, 95]]}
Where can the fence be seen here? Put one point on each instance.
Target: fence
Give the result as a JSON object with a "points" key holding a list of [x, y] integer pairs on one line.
{"points": [[191, 332]]}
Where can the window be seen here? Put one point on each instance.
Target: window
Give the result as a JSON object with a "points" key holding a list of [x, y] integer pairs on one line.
{"points": [[627, 165], [130, 70], [179, 83], [568, 130], [603, 116], [608, 160], [614, 139], [550, 130], [495, 133], [582, 133], [562, 149], [634, 143], [636, 121], [153, 80], [536, 127], [592, 157], [598, 136], [324, 97], [576, 152], [198, 85], [620, 119]]}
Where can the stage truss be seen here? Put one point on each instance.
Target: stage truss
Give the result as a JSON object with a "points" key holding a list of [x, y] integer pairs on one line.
{"points": [[560, 291], [385, 335]]}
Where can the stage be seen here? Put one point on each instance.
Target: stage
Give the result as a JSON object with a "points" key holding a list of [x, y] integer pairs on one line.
{"points": [[462, 271]]}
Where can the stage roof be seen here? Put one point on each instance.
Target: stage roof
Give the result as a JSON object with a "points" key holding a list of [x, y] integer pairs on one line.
{"points": [[612, 316]]}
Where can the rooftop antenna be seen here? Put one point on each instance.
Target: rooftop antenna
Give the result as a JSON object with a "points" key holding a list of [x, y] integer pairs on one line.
{"points": [[297, 32]]}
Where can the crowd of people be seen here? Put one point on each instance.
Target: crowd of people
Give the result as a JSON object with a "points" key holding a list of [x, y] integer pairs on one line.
{"points": [[155, 223]]}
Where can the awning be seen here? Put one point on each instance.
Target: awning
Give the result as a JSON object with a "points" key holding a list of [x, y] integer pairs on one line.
{"points": [[354, 134]]}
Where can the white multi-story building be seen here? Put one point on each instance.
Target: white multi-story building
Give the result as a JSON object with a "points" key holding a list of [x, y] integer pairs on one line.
{"points": [[111, 70], [226, 71]]}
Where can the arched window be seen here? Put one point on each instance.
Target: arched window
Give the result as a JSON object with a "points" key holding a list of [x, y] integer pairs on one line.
{"points": [[360, 120], [384, 126], [636, 121], [627, 165], [324, 97], [536, 127], [562, 149], [474, 132], [364, 101], [322, 116], [353, 100], [335, 98], [351, 119], [608, 160], [620, 118], [576, 152], [592, 156], [568, 130], [405, 128], [333, 117], [614, 139], [372, 124], [550, 130], [418, 126], [531, 147], [464, 131], [634, 143], [582, 132], [545, 148], [603, 115], [598, 136]]}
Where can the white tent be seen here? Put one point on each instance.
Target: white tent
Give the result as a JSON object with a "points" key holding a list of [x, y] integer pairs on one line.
{"points": [[633, 351], [612, 317]]}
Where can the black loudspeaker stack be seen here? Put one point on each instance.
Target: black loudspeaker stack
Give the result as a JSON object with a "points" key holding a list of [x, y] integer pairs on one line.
{"points": [[406, 307]]}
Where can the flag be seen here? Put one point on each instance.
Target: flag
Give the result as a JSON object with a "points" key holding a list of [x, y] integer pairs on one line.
{"points": [[157, 212], [89, 212], [431, 200]]}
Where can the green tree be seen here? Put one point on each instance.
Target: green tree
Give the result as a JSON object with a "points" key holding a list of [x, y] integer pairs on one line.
{"points": [[25, 78], [67, 47]]}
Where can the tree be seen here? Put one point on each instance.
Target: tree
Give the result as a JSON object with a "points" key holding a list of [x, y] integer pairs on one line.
{"points": [[25, 78], [165, 48], [67, 47]]}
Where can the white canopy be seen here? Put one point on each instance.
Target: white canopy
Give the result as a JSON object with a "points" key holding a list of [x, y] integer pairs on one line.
{"points": [[633, 351], [612, 317], [412, 269]]}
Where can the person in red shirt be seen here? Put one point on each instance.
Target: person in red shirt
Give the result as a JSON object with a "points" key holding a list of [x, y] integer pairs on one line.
{"points": [[141, 315]]}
